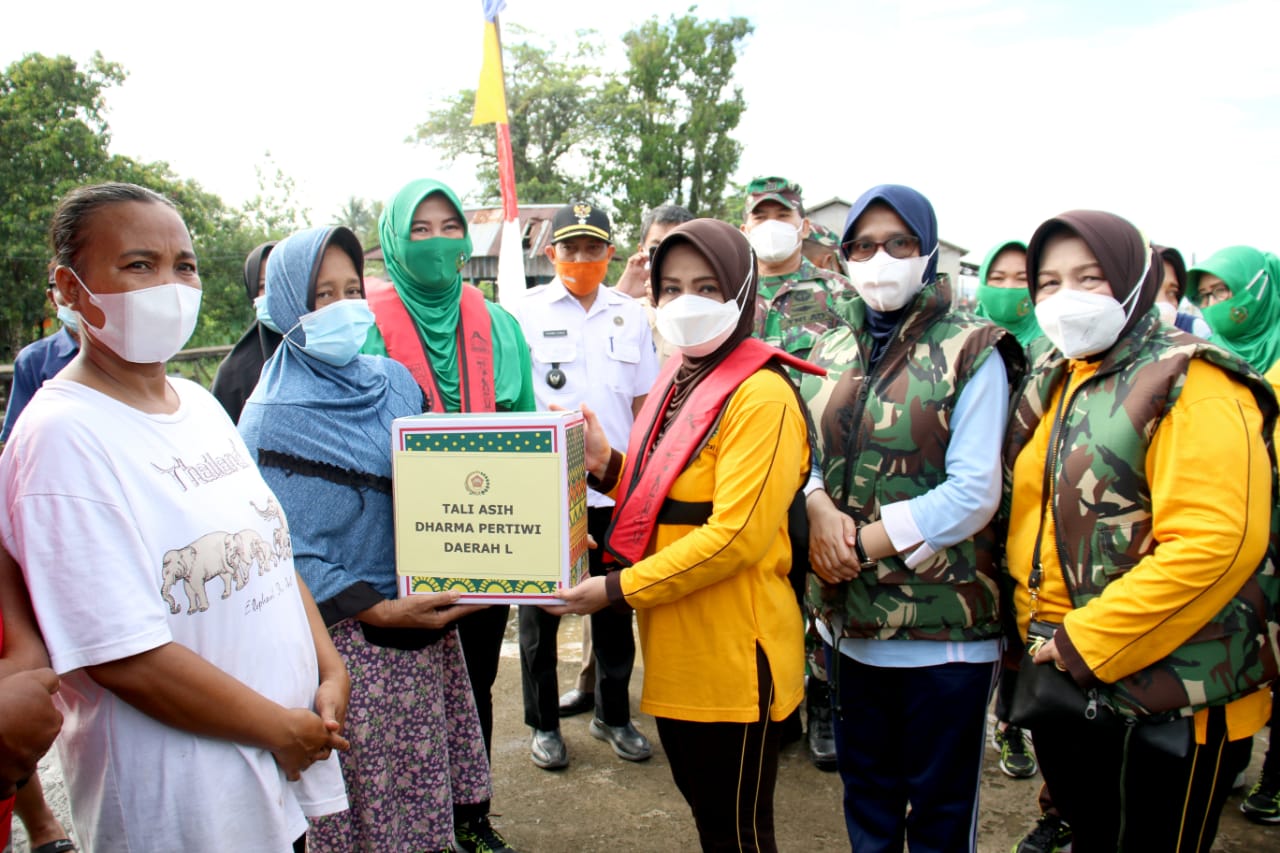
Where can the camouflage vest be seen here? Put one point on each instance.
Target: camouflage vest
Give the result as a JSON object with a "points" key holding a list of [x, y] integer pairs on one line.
{"points": [[1102, 510], [800, 310], [884, 439]]}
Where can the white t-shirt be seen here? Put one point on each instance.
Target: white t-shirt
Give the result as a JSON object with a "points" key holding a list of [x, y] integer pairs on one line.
{"points": [[137, 530], [605, 353]]}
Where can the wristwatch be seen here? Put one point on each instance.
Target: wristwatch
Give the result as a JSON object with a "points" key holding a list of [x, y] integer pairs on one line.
{"points": [[864, 562]]}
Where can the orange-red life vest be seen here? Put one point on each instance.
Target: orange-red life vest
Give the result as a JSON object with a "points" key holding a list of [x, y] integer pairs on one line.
{"points": [[651, 468], [476, 384]]}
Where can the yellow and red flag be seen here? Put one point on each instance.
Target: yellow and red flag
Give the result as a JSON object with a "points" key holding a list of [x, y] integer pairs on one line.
{"points": [[491, 108], [491, 95]]}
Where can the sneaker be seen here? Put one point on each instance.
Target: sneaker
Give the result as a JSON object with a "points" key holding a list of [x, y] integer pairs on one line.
{"points": [[1263, 803], [1051, 835], [479, 836], [626, 741], [1015, 761], [548, 750]]}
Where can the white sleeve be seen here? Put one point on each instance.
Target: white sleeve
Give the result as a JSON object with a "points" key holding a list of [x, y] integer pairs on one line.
{"points": [[90, 579], [94, 583]]}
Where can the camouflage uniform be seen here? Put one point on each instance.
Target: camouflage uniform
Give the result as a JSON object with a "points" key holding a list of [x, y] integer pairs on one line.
{"points": [[1106, 427], [823, 236], [891, 446], [798, 308], [825, 243]]}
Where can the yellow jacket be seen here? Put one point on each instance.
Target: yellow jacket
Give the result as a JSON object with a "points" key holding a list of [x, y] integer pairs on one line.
{"points": [[707, 595], [1273, 378], [1201, 519]]}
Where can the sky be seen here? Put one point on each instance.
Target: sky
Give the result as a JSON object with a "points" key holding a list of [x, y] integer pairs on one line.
{"points": [[1002, 113]]}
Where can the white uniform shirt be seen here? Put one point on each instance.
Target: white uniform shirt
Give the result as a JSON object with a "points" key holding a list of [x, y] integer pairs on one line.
{"points": [[606, 354]]}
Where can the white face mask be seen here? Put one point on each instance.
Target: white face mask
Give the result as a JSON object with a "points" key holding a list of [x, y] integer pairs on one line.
{"points": [[696, 325], [1081, 323], [1168, 312], [144, 326], [774, 240], [887, 283]]}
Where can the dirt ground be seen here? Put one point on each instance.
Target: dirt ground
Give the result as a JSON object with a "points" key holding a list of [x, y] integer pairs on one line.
{"points": [[600, 803]]}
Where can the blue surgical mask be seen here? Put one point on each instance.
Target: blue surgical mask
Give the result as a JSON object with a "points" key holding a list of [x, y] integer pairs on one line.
{"points": [[336, 332], [68, 318], [260, 308]]}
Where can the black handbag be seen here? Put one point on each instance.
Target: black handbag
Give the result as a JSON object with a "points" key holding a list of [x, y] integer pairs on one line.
{"points": [[1044, 694]]}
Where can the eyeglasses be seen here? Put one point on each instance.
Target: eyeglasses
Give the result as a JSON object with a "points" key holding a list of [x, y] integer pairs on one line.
{"points": [[1219, 293], [898, 246]]}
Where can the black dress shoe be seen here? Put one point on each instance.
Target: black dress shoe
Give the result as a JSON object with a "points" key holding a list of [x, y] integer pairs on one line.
{"points": [[548, 750], [576, 702], [822, 738], [627, 743]]}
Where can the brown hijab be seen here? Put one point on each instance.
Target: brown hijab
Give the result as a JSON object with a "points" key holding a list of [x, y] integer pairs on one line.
{"points": [[1121, 250], [730, 256]]}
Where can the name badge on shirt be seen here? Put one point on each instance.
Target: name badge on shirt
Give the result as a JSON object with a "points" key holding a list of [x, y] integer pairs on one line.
{"points": [[555, 333], [805, 307]]}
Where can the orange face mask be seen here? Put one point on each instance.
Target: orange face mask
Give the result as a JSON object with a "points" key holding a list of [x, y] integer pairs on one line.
{"points": [[582, 277]]}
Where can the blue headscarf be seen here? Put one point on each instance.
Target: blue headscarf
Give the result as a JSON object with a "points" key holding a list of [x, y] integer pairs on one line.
{"points": [[306, 408], [916, 211], [322, 435]]}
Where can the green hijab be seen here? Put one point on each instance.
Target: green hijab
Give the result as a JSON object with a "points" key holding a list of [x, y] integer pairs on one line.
{"points": [[1247, 324], [1010, 307], [427, 274]]}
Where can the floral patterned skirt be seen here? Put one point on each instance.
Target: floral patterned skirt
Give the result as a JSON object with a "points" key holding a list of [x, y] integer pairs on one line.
{"points": [[415, 750]]}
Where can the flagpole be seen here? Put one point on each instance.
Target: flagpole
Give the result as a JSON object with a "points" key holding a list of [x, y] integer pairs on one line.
{"points": [[491, 106]]}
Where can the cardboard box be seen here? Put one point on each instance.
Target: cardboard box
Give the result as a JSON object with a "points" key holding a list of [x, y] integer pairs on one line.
{"points": [[493, 505]]}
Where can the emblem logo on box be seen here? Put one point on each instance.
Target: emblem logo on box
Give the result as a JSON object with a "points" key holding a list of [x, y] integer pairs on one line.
{"points": [[477, 483], [493, 505]]}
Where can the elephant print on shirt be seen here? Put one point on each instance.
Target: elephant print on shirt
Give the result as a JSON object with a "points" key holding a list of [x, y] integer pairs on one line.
{"points": [[246, 548], [281, 544], [196, 564]]}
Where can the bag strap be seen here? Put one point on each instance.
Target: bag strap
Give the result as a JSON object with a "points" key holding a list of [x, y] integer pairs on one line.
{"points": [[1037, 567]]}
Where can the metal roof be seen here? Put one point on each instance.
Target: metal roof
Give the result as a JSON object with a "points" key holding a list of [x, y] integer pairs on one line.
{"points": [[484, 225]]}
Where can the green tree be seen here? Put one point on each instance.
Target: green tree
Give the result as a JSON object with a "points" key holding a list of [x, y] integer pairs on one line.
{"points": [[554, 113], [361, 216], [221, 239], [273, 211], [673, 111], [53, 136]]}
